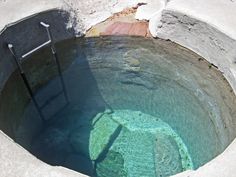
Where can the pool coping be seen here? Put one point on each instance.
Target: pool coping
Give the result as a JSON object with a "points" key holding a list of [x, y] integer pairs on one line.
{"points": [[180, 23]]}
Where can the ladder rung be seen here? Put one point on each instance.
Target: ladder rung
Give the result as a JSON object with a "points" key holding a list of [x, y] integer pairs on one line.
{"points": [[55, 57], [35, 49], [51, 99]]}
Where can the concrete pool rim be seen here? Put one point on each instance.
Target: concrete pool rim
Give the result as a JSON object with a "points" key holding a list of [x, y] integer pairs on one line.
{"points": [[220, 159]]}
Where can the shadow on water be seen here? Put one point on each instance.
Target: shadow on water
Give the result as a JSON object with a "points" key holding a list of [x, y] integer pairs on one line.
{"points": [[64, 139], [132, 75]]}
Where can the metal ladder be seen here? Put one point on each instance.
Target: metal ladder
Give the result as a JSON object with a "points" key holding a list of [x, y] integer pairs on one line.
{"points": [[18, 61]]}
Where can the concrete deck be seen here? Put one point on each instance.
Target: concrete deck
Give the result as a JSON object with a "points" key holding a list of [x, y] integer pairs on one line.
{"points": [[16, 161], [14, 11]]}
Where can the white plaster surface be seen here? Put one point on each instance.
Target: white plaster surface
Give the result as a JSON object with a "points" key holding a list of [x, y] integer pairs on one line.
{"points": [[92, 12], [88, 12], [217, 13], [208, 27], [150, 9]]}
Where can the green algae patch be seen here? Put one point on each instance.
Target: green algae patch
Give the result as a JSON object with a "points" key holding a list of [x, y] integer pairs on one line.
{"points": [[112, 165], [145, 146], [136, 148], [104, 127]]}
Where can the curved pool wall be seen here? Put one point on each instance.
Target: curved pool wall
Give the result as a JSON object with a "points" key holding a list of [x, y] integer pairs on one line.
{"points": [[26, 35], [152, 76], [8, 68], [158, 78]]}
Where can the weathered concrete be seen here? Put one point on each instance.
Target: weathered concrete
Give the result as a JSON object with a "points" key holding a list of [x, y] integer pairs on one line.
{"points": [[222, 166], [19, 25], [67, 18], [92, 12], [16, 161], [206, 27], [13, 11], [150, 9]]}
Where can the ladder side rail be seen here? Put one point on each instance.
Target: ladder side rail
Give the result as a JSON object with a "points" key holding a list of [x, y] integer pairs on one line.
{"points": [[22, 73], [55, 56]]}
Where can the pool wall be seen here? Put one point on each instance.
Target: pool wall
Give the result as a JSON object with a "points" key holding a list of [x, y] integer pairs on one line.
{"points": [[21, 28], [25, 36], [28, 34], [215, 44], [207, 28], [208, 36]]}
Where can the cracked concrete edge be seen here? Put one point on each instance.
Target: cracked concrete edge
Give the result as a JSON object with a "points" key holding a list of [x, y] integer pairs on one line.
{"points": [[222, 166], [212, 42], [193, 32], [16, 11], [87, 13], [150, 9], [187, 30], [16, 161], [25, 18], [202, 38], [82, 16]]}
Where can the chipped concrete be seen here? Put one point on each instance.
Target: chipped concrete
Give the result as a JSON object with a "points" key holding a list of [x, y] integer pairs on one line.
{"points": [[206, 27], [20, 26], [150, 9], [222, 166], [16, 161]]}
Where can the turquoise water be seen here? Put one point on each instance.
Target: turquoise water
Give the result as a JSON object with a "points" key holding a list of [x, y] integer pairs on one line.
{"points": [[137, 107], [114, 143], [144, 146]]}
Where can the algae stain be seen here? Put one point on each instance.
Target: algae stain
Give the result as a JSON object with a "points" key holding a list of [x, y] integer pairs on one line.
{"points": [[131, 143]]}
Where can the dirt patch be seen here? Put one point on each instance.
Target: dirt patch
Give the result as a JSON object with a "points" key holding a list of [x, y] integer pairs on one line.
{"points": [[122, 23]]}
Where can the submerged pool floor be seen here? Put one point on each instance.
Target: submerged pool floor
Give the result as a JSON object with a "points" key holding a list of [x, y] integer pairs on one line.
{"points": [[114, 143], [137, 107]]}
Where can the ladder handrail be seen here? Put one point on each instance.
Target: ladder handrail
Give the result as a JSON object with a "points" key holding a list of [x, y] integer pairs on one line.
{"points": [[18, 62], [54, 52], [11, 48], [35, 49]]}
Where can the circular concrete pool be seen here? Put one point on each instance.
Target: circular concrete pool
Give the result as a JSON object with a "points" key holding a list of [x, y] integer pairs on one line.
{"points": [[137, 107]]}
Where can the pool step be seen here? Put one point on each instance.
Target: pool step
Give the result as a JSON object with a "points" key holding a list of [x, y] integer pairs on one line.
{"points": [[51, 99]]}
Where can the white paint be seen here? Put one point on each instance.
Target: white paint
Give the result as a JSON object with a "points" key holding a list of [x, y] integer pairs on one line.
{"points": [[152, 8], [89, 12]]}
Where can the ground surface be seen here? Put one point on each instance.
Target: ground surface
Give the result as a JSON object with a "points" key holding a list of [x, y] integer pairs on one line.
{"points": [[206, 27]]}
